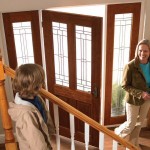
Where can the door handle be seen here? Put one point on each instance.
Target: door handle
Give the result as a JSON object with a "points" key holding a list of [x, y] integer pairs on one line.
{"points": [[95, 92]]}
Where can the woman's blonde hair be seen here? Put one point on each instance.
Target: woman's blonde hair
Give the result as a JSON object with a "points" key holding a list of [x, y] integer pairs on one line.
{"points": [[29, 78], [145, 42]]}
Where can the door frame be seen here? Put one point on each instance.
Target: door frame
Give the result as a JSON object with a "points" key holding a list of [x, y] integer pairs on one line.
{"points": [[112, 10]]}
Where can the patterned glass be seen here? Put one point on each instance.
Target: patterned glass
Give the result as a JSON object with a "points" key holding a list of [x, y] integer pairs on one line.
{"points": [[60, 53], [83, 57], [123, 24], [23, 42]]}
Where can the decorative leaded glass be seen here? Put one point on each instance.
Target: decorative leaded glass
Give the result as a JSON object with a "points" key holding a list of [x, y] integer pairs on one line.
{"points": [[83, 57], [123, 24], [60, 53], [23, 42]]}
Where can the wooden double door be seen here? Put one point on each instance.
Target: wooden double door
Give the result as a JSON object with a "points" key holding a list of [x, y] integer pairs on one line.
{"points": [[72, 57]]}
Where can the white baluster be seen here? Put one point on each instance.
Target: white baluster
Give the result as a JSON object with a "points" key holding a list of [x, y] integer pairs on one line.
{"points": [[72, 131], [56, 119], [101, 141], [86, 135], [115, 145]]}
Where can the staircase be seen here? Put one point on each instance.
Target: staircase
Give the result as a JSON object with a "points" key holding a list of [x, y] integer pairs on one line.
{"points": [[104, 133]]}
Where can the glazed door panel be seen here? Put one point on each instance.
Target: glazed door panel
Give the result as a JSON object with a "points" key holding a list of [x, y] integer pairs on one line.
{"points": [[73, 62], [22, 34], [123, 22]]}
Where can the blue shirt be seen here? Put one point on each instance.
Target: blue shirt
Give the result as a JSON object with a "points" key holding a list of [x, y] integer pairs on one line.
{"points": [[146, 71]]}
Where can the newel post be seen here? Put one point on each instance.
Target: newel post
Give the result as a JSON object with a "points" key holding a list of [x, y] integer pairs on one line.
{"points": [[10, 143]]}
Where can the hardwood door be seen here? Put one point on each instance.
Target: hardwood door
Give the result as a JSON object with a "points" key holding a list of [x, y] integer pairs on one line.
{"points": [[123, 22], [73, 64], [22, 34]]}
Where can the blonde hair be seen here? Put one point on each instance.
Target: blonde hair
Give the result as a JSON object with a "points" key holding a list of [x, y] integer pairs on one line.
{"points": [[29, 78], [145, 42]]}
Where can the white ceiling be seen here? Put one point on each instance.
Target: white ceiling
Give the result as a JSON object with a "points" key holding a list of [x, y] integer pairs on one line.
{"points": [[24, 5]]}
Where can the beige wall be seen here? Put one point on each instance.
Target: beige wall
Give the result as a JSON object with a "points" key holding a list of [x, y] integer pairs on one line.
{"points": [[147, 17]]}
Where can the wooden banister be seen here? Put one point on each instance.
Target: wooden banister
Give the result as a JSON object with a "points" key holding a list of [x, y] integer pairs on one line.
{"points": [[77, 113], [6, 120]]}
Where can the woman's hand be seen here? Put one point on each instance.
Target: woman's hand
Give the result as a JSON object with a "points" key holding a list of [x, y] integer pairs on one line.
{"points": [[145, 96]]}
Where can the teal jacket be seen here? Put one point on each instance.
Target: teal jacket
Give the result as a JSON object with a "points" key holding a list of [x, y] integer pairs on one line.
{"points": [[134, 83]]}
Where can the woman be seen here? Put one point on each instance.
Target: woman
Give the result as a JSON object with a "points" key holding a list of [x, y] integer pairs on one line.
{"points": [[136, 83]]}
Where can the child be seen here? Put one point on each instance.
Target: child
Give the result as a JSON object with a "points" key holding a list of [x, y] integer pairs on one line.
{"points": [[33, 122]]}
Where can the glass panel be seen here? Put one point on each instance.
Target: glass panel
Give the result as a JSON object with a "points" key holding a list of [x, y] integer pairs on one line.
{"points": [[60, 53], [23, 42], [83, 58], [123, 23]]}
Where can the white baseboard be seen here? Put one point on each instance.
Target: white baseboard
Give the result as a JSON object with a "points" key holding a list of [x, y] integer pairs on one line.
{"points": [[2, 138]]}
